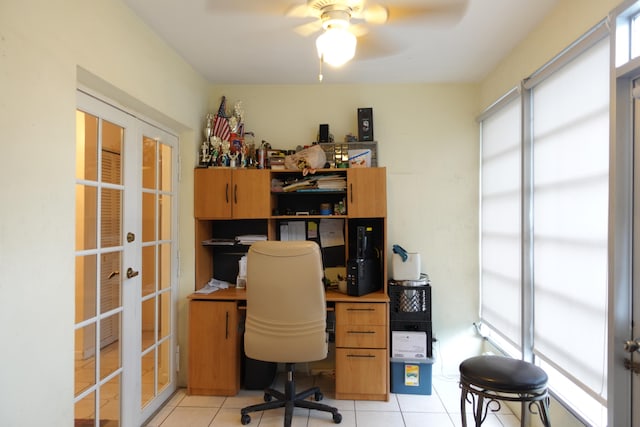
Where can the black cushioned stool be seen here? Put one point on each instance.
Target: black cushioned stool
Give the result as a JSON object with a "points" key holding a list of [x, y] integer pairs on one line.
{"points": [[489, 379]]}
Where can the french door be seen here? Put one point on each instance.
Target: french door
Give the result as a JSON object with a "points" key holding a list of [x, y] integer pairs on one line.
{"points": [[126, 269]]}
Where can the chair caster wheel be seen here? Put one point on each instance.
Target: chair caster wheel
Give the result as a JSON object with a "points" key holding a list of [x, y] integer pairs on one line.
{"points": [[246, 419], [337, 418], [318, 396], [267, 397]]}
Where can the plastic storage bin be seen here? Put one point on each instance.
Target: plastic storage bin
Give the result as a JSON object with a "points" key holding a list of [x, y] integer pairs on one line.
{"points": [[411, 376]]}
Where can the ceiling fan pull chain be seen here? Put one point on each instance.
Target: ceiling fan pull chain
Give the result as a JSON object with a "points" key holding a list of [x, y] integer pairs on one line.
{"points": [[320, 76]]}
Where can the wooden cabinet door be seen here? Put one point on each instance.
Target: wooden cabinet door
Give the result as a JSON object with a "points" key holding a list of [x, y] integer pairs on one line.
{"points": [[251, 193], [361, 374], [214, 348], [212, 193], [367, 192]]}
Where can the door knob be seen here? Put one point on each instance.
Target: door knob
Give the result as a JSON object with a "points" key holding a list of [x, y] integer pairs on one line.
{"points": [[632, 346], [131, 273]]}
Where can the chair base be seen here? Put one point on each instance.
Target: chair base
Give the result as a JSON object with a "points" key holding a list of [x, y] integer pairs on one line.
{"points": [[482, 401], [289, 400]]}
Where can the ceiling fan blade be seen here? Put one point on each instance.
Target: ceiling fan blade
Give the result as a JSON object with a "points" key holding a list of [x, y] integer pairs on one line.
{"points": [[375, 14], [305, 30], [301, 11], [358, 30], [449, 12], [370, 47]]}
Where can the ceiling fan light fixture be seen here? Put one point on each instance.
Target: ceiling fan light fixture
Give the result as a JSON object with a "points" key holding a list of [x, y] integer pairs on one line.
{"points": [[336, 46]]}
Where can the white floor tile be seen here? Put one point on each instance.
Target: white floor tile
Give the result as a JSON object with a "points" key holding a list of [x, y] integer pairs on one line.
{"points": [[190, 417], [439, 409], [379, 419], [202, 401], [231, 418], [318, 419], [420, 403], [376, 405], [421, 419]]}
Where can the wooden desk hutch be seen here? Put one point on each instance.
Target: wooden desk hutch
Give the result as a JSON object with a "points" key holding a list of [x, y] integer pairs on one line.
{"points": [[231, 202]]}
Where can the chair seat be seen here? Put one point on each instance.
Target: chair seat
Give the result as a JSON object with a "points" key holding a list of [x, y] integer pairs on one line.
{"points": [[502, 374]]}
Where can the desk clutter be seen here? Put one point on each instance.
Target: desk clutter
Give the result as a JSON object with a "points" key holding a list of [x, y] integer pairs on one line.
{"points": [[228, 144]]}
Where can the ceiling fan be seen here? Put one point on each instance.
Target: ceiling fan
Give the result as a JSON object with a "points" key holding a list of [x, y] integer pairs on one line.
{"points": [[342, 22]]}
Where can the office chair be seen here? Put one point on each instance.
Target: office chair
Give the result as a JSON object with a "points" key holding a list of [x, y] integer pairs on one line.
{"points": [[286, 319]]}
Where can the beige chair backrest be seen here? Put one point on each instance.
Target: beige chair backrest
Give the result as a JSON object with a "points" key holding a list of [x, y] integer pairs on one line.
{"points": [[286, 309]]}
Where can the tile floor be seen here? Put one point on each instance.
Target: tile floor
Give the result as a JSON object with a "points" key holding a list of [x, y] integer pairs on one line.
{"points": [[439, 409]]}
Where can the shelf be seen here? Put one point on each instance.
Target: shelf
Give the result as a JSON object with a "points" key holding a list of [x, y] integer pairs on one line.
{"points": [[314, 191], [303, 217]]}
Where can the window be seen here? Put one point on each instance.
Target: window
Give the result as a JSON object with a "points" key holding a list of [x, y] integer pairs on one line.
{"points": [[500, 243], [555, 278]]}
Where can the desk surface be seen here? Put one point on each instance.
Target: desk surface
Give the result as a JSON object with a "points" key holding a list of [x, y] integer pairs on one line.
{"points": [[233, 294]]}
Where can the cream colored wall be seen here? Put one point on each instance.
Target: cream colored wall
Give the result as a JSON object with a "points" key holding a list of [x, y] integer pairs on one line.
{"points": [[42, 44], [569, 20], [427, 139]]}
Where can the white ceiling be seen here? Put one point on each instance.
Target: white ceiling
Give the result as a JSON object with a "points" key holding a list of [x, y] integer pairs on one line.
{"points": [[254, 41]]}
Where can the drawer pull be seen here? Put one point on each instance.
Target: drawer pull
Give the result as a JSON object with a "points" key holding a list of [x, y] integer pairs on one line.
{"points": [[369, 356], [361, 309], [361, 332]]}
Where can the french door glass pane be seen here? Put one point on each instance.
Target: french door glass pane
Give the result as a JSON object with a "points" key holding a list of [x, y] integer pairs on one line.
{"points": [[148, 323], [165, 167], [87, 217], [148, 217], [148, 270], [112, 142], [86, 146], [111, 218], [86, 272], [110, 402], [85, 361], [110, 281], [110, 350], [85, 409], [149, 163], [164, 266], [164, 220], [148, 377]]}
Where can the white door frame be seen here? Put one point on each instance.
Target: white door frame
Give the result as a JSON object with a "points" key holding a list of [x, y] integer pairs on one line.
{"points": [[623, 387]]}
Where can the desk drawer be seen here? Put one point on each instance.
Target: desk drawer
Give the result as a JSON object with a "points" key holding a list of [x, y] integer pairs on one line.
{"points": [[363, 336], [361, 313], [361, 373]]}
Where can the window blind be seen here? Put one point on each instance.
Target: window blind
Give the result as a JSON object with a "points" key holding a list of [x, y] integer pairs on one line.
{"points": [[500, 242], [570, 136]]}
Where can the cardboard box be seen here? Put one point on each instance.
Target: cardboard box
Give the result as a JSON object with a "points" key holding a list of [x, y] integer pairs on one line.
{"points": [[411, 376], [360, 158]]}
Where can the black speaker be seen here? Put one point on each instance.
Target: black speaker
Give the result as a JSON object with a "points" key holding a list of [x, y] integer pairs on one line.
{"points": [[365, 124], [323, 135]]}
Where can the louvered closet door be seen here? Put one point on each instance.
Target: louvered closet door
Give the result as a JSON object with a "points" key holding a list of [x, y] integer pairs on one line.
{"points": [[125, 266]]}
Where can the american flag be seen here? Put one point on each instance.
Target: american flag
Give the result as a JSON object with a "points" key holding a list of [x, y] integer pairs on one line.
{"points": [[221, 126]]}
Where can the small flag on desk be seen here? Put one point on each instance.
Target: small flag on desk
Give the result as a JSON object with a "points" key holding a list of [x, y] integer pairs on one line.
{"points": [[221, 127]]}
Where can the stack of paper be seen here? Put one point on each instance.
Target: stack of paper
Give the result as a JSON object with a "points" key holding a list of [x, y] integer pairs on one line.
{"points": [[248, 239], [332, 182], [409, 345]]}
